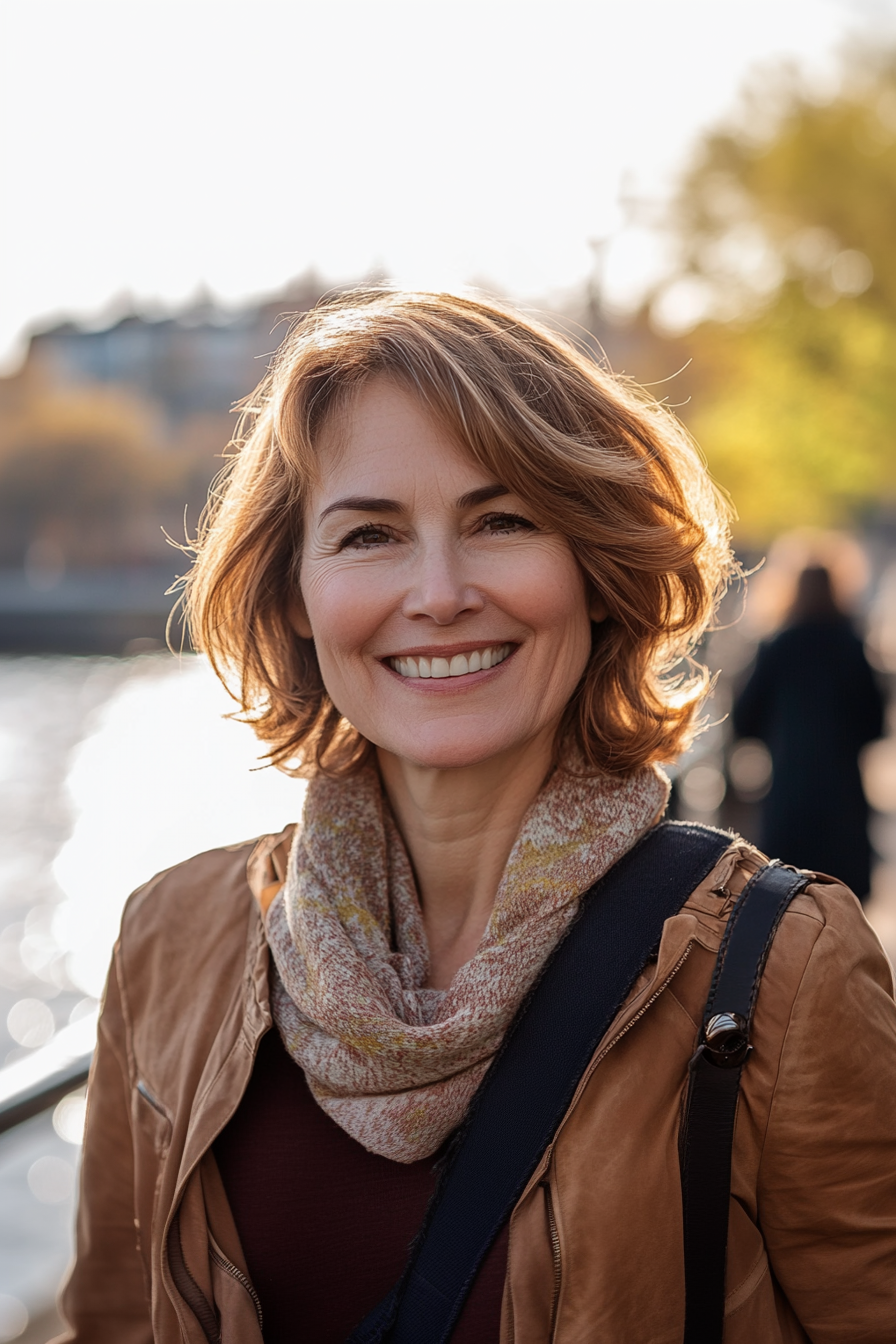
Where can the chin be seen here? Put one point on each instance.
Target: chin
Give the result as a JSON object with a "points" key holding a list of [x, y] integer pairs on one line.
{"points": [[450, 752]]}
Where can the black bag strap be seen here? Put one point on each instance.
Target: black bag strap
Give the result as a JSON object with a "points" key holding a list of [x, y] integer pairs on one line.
{"points": [[708, 1124], [529, 1087]]}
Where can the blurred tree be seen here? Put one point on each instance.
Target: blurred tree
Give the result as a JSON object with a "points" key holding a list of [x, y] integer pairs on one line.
{"points": [[785, 230], [88, 475]]}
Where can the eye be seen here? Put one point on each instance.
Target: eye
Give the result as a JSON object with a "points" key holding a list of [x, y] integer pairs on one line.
{"points": [[497, 524], [366, 537]]}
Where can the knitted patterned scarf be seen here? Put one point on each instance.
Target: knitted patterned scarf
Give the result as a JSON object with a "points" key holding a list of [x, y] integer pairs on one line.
{"points": [[396, 1064]]}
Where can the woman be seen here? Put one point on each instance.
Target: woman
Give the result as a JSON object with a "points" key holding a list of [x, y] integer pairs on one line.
{"points": [[813, 700], [448, 576]]}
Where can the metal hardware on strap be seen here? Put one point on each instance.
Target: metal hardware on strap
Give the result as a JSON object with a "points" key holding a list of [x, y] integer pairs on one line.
{"points": [[707, 1127], [725, 1040]]}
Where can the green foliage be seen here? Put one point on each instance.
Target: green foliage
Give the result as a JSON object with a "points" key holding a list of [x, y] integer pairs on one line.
{"points": [[786, 230]]}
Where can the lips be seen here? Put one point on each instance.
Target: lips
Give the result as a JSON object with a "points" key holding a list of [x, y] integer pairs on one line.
{"points": [[460, 665]]}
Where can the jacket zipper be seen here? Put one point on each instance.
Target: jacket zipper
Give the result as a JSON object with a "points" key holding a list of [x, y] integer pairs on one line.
{"points": [[639, 1014], [555, 1253], [240, 1277]]}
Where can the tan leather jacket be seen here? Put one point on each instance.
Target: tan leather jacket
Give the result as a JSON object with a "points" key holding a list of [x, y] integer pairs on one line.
{"points": [[595, 1241]]}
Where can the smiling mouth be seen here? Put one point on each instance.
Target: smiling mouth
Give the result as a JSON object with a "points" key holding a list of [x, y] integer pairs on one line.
{"points": [[461, 665]]}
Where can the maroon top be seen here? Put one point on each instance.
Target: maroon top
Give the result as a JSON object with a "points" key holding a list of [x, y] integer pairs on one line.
{"points": [[324, 1224]]}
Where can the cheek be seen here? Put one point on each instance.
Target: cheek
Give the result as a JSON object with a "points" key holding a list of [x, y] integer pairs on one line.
{"points": [[552, 598], [342, 612]]}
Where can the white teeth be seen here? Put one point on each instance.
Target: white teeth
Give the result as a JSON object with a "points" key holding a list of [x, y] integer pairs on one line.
{"points": [[460, 665]]}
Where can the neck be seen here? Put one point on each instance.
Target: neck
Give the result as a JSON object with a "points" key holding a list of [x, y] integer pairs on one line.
{"points": [[459, 826]]}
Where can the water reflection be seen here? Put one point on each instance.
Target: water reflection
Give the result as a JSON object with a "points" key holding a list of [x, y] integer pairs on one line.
{"points": [[161, 776], [38, 1170], [46, 708], [110, 770]]}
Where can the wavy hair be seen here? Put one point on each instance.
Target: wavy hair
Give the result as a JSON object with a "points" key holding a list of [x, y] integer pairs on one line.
{"points": [[599, 460]]}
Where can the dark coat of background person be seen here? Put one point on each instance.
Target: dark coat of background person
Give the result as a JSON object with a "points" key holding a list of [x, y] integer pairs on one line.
{"points": [[813, 700]]}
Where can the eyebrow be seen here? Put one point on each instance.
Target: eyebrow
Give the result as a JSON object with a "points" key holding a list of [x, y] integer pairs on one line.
{"points": [[371, 504], [482, 495], [361, 504]]}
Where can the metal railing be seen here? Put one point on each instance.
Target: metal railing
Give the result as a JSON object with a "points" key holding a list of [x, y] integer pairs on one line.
{"points": [[38, 1081]]}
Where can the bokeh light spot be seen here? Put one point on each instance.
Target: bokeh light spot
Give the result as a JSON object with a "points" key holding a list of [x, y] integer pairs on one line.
{"points": [[69, 1117], [30, 1023], [703, 788], [13, 1318], [51, 1180]]}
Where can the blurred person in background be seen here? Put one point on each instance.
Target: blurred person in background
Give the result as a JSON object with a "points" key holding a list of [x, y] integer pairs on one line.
{"points": [[448, 577], [812, 698]]}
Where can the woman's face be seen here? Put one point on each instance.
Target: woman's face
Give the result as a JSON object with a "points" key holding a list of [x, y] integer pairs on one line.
{"points": [[449, 625]]}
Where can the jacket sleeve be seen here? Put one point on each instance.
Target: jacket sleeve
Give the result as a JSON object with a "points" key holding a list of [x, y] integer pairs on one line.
{"points": [[105, 1299], [827, 1181]]}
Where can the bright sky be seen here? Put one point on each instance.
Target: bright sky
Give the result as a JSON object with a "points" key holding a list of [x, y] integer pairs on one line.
{"points": [[150, 146]]}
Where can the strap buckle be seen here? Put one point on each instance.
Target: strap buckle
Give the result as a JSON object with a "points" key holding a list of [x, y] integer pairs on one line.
{"points": [[725, 1040]]}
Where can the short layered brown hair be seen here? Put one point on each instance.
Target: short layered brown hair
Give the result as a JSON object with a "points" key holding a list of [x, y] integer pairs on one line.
{"points": [[599, 461]]}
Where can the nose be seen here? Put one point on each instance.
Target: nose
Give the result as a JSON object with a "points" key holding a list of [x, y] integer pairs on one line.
{"points": [[442, 588]]}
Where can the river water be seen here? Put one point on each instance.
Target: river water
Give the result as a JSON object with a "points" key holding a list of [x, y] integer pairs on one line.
{"points": [[110, 769]]}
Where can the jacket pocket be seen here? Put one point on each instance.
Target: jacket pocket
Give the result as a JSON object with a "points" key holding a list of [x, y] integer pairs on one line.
{"points": [[151, 1135], [151, 1117], [238, 1304], [748, 1280], [193, 1294]]}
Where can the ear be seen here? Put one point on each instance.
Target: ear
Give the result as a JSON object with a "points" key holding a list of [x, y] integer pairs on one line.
{"points": [[298, 617], [597, 609]]}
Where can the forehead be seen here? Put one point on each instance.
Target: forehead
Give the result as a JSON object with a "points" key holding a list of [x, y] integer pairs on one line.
{"points": [[384, 429]]}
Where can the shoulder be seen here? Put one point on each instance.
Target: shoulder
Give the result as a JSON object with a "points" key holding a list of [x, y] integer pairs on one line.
{"points": [[824, 923], [844, 947], [189, 890], [827, 923], [197, 910], [827, 987], [825, 1015]]}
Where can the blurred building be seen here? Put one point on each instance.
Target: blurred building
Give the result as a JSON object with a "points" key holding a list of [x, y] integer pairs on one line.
{"points": [[204, 358], [109, 437]]}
